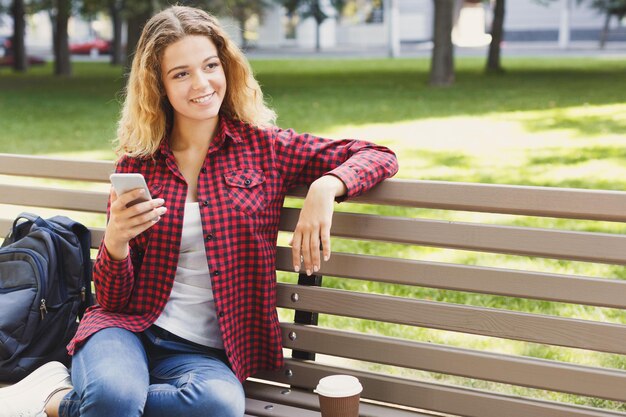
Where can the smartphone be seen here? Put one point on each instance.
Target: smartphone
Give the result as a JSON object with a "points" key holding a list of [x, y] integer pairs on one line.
{"points": [[123, 183]]}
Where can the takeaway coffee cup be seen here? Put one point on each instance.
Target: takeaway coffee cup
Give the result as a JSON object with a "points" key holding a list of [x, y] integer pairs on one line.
{"points": [[339, 396]]}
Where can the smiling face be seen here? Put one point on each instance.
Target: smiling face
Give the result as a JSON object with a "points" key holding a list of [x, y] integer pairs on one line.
{"points": [[194, 79]]}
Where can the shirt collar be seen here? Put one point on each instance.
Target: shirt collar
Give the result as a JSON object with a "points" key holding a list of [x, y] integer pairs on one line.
{"points": [[225, 131]]}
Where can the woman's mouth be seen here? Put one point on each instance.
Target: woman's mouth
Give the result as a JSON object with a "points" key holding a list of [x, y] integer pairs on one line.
{"points": [[203, 99]]}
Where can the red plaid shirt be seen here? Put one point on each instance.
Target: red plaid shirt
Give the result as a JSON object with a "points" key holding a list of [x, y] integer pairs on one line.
{"points": [[241, 188]]}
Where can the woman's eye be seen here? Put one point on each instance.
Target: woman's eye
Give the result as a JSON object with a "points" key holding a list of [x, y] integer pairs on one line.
{"points": [[180, 74], [212, 65]]}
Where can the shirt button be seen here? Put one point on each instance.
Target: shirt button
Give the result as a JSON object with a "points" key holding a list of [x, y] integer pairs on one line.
{"points": [[203, 170], [205, 203], [209, 237], [248, 181], [221, 314], [216, 273]]}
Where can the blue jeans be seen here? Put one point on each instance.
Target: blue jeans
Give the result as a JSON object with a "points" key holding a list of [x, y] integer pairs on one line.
{"points": [[120, 373]]}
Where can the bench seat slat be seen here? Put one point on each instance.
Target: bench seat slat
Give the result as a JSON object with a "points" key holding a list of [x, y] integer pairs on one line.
{"points": [[535, 373], [497, 281], [58, 168], [309, 400], [262, 408], [431, 396], [603, 337], [580, 246]]}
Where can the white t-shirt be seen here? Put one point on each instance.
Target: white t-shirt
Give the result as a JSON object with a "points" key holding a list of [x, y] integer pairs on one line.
{"points": [[190, 311]]}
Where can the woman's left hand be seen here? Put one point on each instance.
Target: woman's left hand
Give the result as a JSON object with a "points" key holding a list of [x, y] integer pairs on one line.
{"points": [[314, 224]]}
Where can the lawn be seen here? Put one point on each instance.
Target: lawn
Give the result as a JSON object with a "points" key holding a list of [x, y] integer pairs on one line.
{"points": [[549, 122]]}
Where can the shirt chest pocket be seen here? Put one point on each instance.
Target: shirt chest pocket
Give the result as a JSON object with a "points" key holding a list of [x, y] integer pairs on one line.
{"points": [[246, 189]]}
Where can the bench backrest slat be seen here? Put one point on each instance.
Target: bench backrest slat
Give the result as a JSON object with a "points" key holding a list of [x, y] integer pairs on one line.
{"points": [[488, 280], [603, 337], [63, 199], [43, 167], [496, 198], [590, 247], [509, 369]]}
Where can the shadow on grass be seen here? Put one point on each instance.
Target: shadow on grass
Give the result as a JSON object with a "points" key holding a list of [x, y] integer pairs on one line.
{"points": [[584, 126], [578, 155]]}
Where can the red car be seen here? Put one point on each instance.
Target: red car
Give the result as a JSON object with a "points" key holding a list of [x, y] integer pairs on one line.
{"points": [[6, 55], [102, 46], [7, 61]]}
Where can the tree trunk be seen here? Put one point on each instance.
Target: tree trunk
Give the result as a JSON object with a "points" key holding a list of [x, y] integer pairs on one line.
{"points": [[442, 61], [117, 50], [62, 64], [605, 30], [18, 47], [318, 29], [497, 34], [135, 25], [242, 24]]}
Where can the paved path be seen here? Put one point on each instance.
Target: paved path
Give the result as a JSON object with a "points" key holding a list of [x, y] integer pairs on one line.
{"points": [[411, 50]]}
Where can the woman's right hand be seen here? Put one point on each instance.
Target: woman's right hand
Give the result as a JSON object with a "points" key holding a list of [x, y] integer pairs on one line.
{"points": [[125, 223]]}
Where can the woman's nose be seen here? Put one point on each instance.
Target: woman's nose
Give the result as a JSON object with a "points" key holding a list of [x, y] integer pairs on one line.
{"points": [[199, 81]]}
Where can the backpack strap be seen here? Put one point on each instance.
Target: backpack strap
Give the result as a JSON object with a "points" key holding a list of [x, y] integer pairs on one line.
{"points": [[84, 237]]}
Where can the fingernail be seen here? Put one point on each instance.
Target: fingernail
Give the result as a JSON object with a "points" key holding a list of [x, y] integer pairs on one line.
{"points": [[326, 257], [296, 268], [308, 272], [316, 268]]}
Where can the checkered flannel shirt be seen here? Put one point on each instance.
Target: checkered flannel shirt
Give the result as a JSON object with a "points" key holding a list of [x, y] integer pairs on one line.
{"points": [[241, 187]]}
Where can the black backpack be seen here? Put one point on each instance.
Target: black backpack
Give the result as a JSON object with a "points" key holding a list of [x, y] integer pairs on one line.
{"points": [[45, 286]]}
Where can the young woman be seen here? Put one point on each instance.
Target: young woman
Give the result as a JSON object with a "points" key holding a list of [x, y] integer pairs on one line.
{"points": [[185, 282]]}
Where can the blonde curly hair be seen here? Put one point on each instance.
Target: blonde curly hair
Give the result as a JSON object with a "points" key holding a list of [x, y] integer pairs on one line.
{"points": [[147, 116]]}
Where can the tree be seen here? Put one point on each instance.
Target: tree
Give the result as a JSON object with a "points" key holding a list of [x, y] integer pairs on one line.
{"points": [[442, 61], [60, 15], [243, 10], [610, 8], [18, 45], [117, 49], [497, 35], [59, 12], [314, 9], [114, 8]]}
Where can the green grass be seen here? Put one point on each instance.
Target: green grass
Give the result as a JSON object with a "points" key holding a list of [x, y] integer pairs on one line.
{"points": [[549, 122]]}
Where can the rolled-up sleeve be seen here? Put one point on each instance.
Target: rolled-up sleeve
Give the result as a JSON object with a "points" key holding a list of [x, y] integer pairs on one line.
{"points": [[302, 158]]}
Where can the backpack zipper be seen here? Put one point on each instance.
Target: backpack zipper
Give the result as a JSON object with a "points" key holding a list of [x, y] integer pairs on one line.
{"points": [[42, 308]]}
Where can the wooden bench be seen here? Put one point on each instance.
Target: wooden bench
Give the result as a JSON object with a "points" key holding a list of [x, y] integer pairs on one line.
{"points": [[402, 373]]}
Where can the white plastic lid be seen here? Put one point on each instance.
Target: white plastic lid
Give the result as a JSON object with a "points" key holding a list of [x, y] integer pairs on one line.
{"points": [[339, 386]]}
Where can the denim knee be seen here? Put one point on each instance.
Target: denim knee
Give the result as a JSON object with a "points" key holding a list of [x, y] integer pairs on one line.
{"points": [[200, 398], [223, 399], [114, 397]]}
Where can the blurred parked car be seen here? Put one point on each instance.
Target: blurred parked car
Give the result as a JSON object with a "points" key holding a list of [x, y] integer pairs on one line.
{"points": [[6, 54], [5, 45], [93, 46]]}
